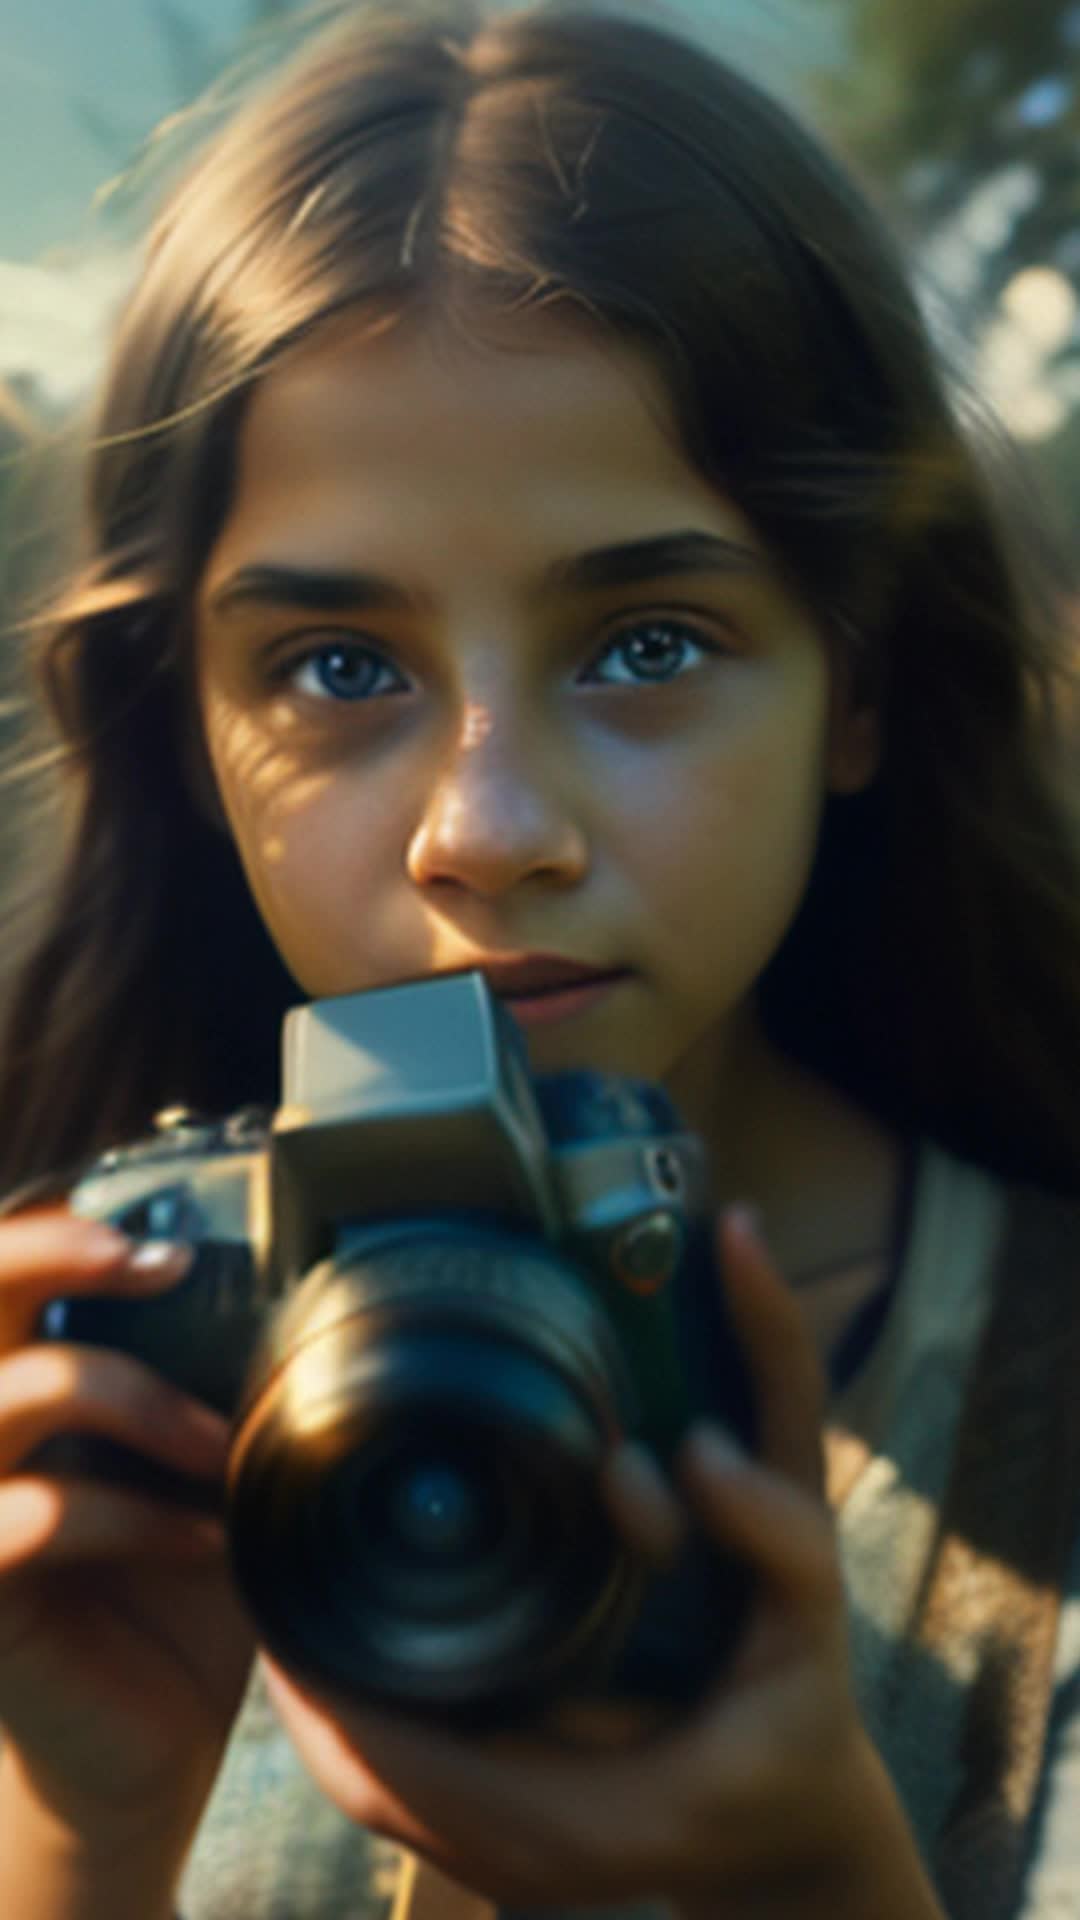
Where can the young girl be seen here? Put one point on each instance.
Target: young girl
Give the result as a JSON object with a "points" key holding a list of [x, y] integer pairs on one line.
{"points": [[526, 529]]}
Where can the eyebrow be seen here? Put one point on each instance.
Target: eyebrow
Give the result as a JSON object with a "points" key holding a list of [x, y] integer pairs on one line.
{"points": [[331, 591]]}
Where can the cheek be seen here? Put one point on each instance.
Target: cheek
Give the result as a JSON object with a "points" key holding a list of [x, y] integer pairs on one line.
{"points": [[309, 842], [721, 850], [267, 796], [744, 796]]}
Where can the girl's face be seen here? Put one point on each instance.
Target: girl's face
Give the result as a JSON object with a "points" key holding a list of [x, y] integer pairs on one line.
{"points": [[489, 673]]}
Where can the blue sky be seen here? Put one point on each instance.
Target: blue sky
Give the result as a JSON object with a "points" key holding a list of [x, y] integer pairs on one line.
{"points": [[61, 274], [51, 51]]}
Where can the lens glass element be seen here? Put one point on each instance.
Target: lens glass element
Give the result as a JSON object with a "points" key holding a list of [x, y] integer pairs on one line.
{"points": [[417, 1517]]}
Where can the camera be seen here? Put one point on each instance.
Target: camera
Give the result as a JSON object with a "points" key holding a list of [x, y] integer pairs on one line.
{"points": [[431, 1292]]}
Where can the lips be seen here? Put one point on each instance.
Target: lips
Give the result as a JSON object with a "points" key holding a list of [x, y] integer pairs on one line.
{"points": [[535, 975]]}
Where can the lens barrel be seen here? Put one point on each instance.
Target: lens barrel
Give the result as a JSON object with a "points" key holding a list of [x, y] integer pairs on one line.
{"points": [[414, 1511]]}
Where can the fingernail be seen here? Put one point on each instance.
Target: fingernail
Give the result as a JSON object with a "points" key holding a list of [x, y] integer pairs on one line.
{"points": [[746, 1220], [106, 1243], [210, 1433], [203, 1536], [645, 1501], [160, 1262], [714, 1449]]}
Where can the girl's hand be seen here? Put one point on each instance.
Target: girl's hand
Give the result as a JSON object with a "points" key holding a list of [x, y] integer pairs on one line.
{"points": [[769, 1797], [123, 1654]]}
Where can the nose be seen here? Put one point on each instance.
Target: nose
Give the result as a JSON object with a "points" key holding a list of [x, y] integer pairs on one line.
{"points": [[495, 814]]}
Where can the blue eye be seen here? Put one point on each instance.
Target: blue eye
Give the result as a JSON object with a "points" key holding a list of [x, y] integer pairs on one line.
{"points": [[343, 670], [651, 653]]}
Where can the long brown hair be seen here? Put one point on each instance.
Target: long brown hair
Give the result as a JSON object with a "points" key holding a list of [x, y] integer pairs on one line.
{"points": [[432, 156]]}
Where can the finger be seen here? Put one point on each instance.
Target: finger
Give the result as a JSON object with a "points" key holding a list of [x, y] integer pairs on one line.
{"points": [[501, 1806], [48, 1390], [642, 1503], [47, 1524], [50, 1253], [765, 1519], [331, 1742], [786, 1376]]}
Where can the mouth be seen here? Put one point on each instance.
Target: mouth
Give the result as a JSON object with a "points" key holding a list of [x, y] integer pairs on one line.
{"points": [[541, 989]]}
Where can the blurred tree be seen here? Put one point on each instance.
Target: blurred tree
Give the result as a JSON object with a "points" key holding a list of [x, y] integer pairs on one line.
{"points": [[26, 429], [969, 114], [949, 95], [23, 438]]}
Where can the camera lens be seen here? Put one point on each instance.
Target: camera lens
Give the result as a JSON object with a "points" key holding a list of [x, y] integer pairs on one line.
{"points": [[414, 1504], [425, 1528], [435, 1512]]}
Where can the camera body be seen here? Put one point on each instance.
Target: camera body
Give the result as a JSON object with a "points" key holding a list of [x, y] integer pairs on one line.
{"points": [[431, 1292]]}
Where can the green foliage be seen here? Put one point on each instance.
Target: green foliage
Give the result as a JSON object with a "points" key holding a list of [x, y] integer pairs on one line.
{"points": [[940, 96], [968, 114]]}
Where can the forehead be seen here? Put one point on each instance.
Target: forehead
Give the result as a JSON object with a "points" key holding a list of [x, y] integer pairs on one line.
{"points": [[412, 376], [415, 434]]}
